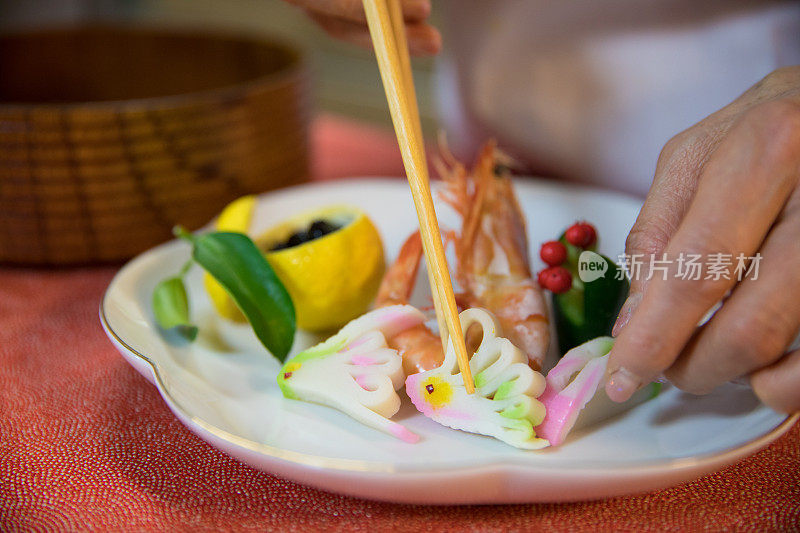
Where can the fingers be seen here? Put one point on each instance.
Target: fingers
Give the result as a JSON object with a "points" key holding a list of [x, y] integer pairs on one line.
{"points": [[423, 39], [742, 190], [353, 10], [345, 20], [679, 166], [677, 171], [776, 385], [755, 325]]}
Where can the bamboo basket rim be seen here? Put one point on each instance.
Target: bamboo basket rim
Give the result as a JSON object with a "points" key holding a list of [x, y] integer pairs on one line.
{"points": [[271, 81]]}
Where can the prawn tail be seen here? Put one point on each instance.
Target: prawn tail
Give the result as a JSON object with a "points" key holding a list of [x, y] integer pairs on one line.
{"points": [[398, 282]]}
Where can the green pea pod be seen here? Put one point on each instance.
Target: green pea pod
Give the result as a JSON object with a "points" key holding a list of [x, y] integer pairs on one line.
{"points": [[589, 310], [238, 265], [171, 307]]}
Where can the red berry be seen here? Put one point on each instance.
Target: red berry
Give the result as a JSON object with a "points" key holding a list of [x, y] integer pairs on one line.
{"points": [[591, 232], [541, 277], [553, 253], [556, 279], [581, 234]]}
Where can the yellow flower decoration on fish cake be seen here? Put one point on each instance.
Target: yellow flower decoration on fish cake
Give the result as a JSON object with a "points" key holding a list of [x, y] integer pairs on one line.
{"points": [[437, 391]]}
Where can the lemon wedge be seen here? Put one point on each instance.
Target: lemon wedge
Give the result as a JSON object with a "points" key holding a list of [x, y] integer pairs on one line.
{"points": [[331, 279]]}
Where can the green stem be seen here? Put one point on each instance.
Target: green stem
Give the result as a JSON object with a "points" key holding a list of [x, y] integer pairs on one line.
{"points": [[182, 233], [185, 268]]}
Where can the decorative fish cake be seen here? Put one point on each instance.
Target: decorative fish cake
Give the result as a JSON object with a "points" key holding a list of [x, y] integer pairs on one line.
{"points": [[355, 371], [504, 404]]}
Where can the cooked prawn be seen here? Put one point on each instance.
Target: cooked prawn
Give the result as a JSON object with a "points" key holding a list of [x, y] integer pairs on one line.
{"points": [[492, 250], [419, 347], [492, 264]]}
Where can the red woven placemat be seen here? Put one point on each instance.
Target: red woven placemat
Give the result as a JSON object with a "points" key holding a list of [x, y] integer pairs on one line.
{"points": [[86, 443]]}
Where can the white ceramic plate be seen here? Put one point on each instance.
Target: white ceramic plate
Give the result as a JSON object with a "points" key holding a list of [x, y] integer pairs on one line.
{"points": [[222, 387]]}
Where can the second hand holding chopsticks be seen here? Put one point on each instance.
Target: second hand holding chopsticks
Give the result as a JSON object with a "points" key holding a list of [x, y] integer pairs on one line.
{"points": [[396, 82]]}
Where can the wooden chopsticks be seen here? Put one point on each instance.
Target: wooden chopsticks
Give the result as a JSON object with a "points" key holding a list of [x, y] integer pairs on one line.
{"points": [[387, 30], [399, 31]]}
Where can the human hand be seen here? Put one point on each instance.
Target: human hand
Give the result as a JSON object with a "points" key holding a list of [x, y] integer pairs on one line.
{"points": [[345, 20], [731, 185]]}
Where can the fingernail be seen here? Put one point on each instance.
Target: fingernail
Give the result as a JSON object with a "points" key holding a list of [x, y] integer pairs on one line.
{"points": [[621, 385], [626, 312]]}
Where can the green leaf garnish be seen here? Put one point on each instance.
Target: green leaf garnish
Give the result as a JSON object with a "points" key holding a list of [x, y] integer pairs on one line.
{"points": [[238, 265], [171, 307]]}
